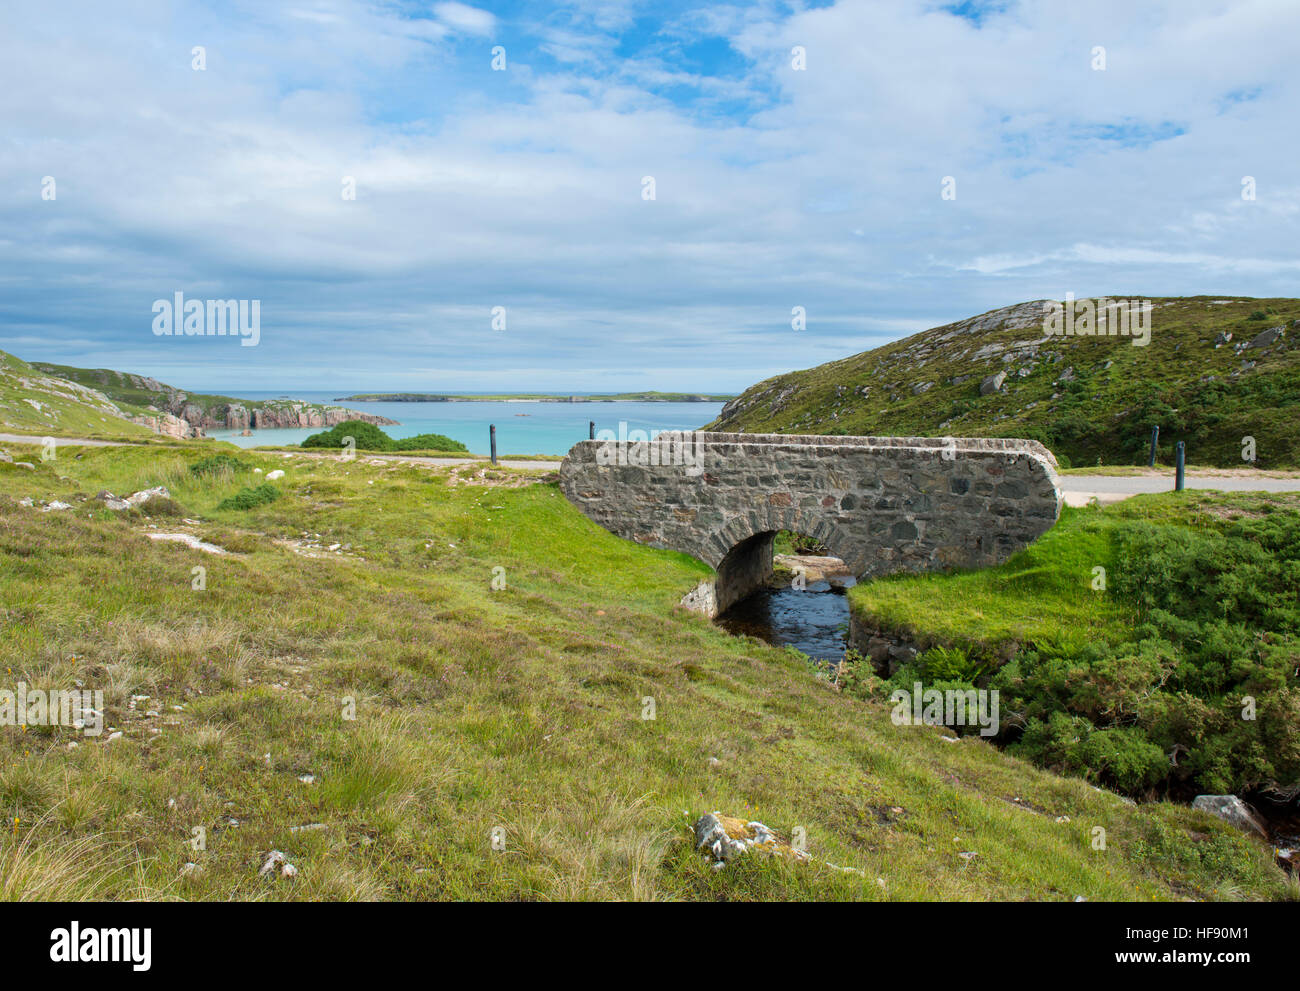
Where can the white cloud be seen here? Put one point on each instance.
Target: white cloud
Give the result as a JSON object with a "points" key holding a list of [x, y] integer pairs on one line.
{"points": [[775, 188], [463, 17]]}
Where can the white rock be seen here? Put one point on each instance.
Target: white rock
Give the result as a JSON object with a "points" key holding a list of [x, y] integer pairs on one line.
{"points": [[1232, 810], [271, 476], [144, 495], [272, 859]]}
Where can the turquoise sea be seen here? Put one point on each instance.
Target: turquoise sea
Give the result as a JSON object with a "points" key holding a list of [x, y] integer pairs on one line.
{"points": [[522, 427]]}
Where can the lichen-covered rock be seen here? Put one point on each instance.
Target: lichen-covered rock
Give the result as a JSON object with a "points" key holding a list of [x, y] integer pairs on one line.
{"points": [[1270, 336], [724, 838], [1231, 810]]}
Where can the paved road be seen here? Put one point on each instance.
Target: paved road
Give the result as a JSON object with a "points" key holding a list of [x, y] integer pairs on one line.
{"points": [[1079, 489], [31, 439]]}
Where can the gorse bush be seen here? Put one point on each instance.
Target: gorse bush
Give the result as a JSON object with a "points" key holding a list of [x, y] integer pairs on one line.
{"points": [[1205, 695], [251, 498], [368, 437]]}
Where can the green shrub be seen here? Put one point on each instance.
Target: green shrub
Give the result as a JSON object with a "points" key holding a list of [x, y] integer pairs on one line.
{"points": [[1123, 757], [218, 464], [251, 498], [950, 664], [428, 442], [368, 437], [158, 506], [1218, 623]]}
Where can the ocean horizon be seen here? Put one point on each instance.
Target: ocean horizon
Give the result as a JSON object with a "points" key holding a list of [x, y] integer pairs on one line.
{"points": [[544, 428]]}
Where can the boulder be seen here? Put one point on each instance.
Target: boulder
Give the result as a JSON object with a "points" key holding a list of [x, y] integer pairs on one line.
{"points": [[724, 838], [135, 499], [992, 384], [1270, 336], [1231, 810]]}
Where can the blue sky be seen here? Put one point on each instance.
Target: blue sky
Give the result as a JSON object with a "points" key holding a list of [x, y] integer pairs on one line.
{"points": [[775, 187]]}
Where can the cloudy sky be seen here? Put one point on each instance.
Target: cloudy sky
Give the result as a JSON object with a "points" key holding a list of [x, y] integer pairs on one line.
{"points": [[774, 186]]}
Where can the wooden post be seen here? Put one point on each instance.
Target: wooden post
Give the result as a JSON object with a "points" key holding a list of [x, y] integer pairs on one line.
{"points": [[1178, 477], [492, 429], [1155, 439]]}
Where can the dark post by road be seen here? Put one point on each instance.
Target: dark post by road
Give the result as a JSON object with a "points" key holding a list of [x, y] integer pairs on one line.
{"points": [[1155, 439], [1178, 478], [591, 429], [492, 429]]}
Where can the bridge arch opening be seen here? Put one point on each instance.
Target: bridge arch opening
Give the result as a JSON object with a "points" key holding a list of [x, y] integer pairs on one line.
{"points": [[746, 564], [808, 612]]}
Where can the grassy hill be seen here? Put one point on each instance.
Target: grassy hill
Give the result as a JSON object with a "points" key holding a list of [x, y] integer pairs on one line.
{"points": [[34, 402], [1091, 400], [518, 711], [204, 410]]}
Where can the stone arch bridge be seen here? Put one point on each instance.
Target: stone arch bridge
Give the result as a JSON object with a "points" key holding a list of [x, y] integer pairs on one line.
{"points": [[882, 504]]}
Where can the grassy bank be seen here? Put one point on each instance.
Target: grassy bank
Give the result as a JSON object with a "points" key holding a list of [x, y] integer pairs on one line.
{"points": [[518, 709], [1152, 645]]}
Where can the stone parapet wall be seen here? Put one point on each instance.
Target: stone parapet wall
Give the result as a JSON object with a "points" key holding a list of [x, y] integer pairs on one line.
{"points": [[882, 505]]}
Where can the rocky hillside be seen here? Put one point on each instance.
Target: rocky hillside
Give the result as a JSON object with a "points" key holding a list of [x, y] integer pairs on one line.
{"points": [[32, 402], [1214, 372], [194, 412]]}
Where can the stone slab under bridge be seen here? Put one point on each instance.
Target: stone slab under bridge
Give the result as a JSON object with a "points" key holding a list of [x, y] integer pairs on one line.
{"points": [[881, 504]]}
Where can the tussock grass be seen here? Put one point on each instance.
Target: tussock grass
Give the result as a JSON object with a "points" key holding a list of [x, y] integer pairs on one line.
{"points": [[481, 713]]}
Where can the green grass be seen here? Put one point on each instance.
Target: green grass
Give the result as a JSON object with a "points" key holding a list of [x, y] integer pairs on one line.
{"points": [[1043, 594], [1041, 591], [1101, 415], [1126, 637], [32, 402], [519, 708]]}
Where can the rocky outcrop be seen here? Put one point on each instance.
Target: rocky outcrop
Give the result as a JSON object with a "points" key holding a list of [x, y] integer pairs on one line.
{"points": [[176, 408], [167, 425], [291, 414], [271, 415]]}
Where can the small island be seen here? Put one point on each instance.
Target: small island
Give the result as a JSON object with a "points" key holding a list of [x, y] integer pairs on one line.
{"points": [[535, 397]]}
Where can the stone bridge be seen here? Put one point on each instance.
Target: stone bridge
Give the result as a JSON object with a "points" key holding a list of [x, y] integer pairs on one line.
{"points": [[882, 504]]}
